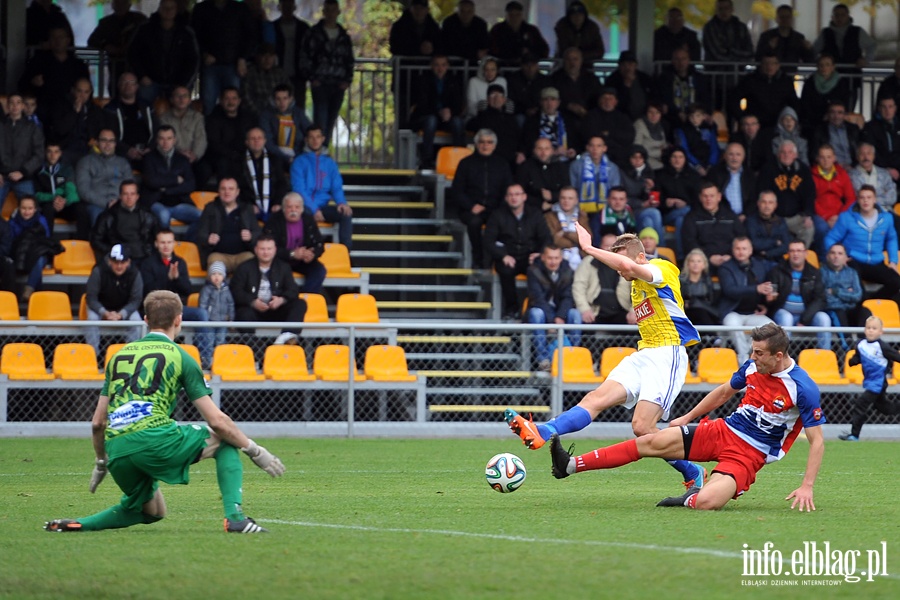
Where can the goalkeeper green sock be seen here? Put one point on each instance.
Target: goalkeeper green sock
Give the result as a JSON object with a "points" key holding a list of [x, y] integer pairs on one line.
{"points": [[230, 475], [114, 517]]}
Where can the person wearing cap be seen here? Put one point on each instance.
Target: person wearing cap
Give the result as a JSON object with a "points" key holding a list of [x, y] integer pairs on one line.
{"points": [[548, 124], [634, 88], [439, 106], [217, 301], [578, 92], [637, 179], [577, 30], [126, 223], [513, 37], [650, 239], [165, 270], [477, 88], [479, 184], [465, 34], [672, 35], [114, 292], [542, 177], [612, 124], [501, 121], [524, 86]]}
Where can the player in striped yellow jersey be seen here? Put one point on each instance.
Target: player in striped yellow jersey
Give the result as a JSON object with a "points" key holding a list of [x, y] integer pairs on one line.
{"points": [[648, 380]]}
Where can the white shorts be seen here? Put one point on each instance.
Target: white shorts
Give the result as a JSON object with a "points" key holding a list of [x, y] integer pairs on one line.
{"points": [[653, 374]]}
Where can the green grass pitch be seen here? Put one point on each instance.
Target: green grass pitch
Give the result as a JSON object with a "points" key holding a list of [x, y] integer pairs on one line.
{"points": [[380, 518]]}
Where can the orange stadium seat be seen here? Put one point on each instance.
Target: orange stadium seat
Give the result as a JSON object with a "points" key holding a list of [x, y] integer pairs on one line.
{"points": [[234, 362], [49, 306], [822, 366], [336, 260], [111, 351], [611, 357], [387, 363], [884, 309], [191, 255], [356, 308], [24, 362], [448, 158], [201, 198], [715, 365], [577, 364], [9, 307], [192, 351], [286, 363], [78, 259], [76, 362], [331, 362], [316, 308]]}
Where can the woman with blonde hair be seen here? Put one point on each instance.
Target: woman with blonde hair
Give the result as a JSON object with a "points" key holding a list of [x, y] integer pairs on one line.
{"points": [[697, 290]]}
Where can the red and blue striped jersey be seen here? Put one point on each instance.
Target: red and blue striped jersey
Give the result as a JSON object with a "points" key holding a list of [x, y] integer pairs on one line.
{"points": [[774, 408]]}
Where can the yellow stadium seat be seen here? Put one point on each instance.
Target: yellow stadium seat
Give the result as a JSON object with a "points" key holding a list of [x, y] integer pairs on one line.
{"points": [[448, 158], [234, 362], [387, 363], [49, 306], [718, 118], [667, 253], [716, 365], [336, 260], [76, 362], [78, 259], [885, 309], [194, 299], [24, 361], [10, 204], [111, 351], [286, 363], [894, 377], [191, 255], [192, 351], [822, 366], [316, 308], [611, 357], [332, 363], [9, 307], [853, 374], [577, 364], [201, 198], [356, 308], [82, 308]]}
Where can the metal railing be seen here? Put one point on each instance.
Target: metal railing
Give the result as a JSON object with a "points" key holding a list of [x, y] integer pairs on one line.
{"points": [[464, 375]]}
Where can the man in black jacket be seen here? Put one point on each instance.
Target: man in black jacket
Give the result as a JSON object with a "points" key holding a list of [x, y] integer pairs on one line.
{"points": [[298, 240], [550, 301], [540, 177], [264, 290], [612, 125], [883, 132], [767, 91], [7, 266], [465, 34], [261, 176], [843, 136], [439, 105], [75, 121], [126, 223], [165, 270], [114, 292], [289, 34], [479, 184], [711, 227], [224, 30], [226, 129], [736, 181], [514, 236], [794, 188], [228, 229], [159, 65], [497, 119], [168, 181], [801, 294]]}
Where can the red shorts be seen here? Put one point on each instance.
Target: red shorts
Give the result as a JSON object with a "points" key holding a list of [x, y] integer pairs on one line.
{"points": [[714, 441]]}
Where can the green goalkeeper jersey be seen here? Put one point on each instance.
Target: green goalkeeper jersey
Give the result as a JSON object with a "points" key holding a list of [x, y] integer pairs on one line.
{"points": [[143, 380]]}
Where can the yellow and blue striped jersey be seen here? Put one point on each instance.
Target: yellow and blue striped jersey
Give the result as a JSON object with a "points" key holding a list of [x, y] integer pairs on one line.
{"points": [[660, 310]]}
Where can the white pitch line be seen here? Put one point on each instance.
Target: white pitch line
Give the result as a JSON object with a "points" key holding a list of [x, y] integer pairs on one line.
{"points": [[530, 540], [509, 538]]}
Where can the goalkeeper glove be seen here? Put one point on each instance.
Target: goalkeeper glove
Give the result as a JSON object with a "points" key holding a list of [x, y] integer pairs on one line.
{"points": [[264, 459], [98, 473]]}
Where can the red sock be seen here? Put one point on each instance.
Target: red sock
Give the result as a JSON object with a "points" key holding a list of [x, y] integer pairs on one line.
{"points": [[692, 501], [608, 458]]}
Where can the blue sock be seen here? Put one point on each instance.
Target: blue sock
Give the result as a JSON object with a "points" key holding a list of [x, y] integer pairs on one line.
{"points": [[574, 419], [687, 469]]}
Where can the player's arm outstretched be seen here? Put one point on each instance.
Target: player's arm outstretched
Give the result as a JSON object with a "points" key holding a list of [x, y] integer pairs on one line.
{"points": [[226, 430], [803, 495], [619, 262], [98, 438], [710, 402]]}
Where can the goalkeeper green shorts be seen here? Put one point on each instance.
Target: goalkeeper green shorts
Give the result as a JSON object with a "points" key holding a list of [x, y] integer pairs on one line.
{"points": [[140, 460]]}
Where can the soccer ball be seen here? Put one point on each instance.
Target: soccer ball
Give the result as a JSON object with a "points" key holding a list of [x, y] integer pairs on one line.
{"points": [[505, 472]]}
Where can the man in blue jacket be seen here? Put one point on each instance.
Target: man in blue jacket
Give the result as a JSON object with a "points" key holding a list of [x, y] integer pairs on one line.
{"points": [[315, 176]]}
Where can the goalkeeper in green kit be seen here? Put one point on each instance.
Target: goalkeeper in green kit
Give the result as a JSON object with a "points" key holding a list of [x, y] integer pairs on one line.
{"points": [[137, 441]]}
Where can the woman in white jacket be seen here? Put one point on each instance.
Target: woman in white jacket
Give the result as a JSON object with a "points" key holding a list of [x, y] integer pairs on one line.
{"points": [[476, 91]]}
